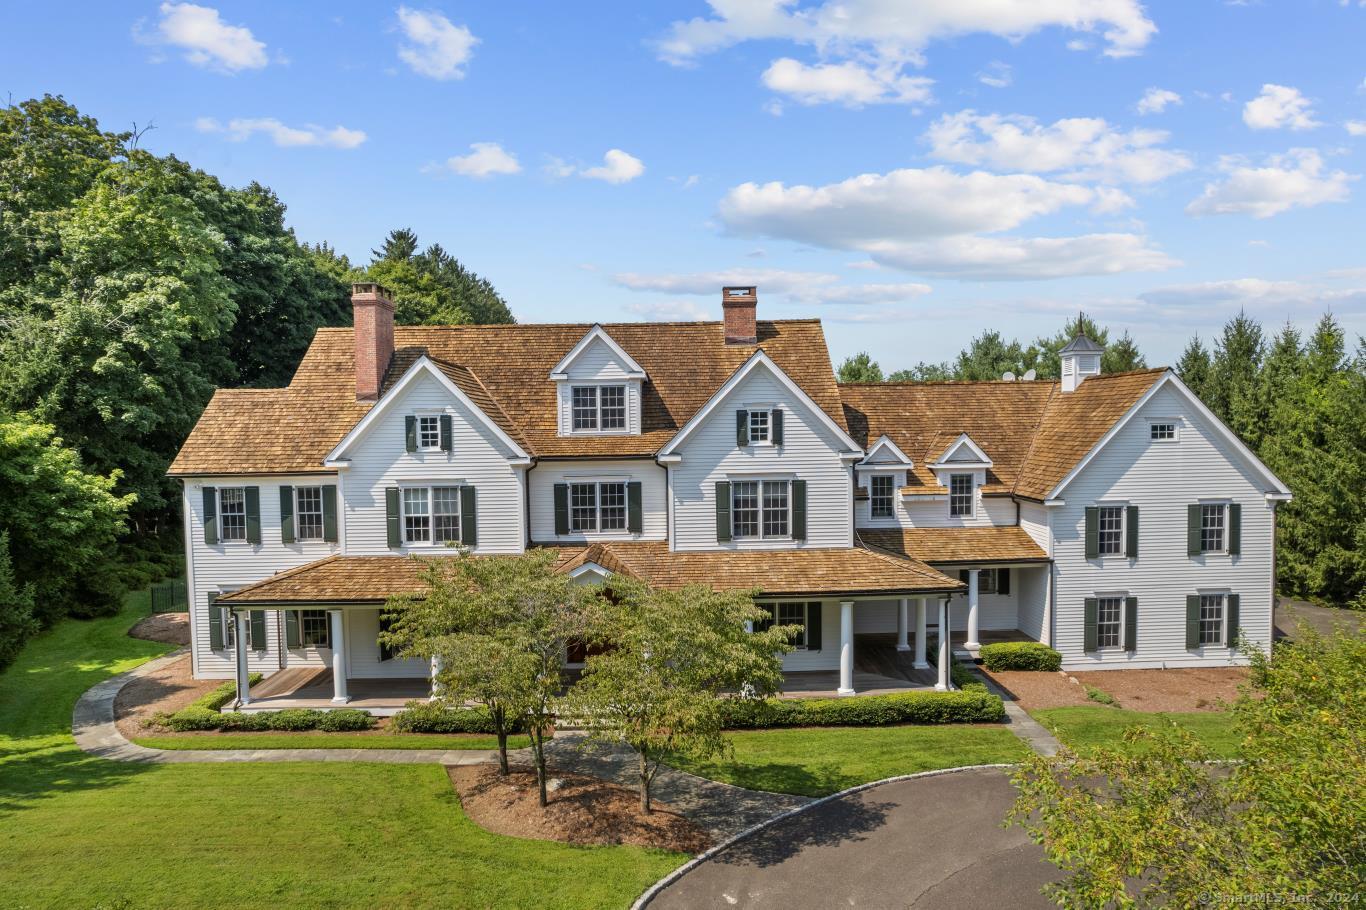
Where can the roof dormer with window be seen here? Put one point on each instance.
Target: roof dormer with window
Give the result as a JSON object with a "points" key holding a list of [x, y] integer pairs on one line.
{"points": [[599, 388]]}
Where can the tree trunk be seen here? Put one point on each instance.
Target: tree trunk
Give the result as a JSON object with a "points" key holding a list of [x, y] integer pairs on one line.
{"points": [[502, 751], [644, 783], [538, 753]]}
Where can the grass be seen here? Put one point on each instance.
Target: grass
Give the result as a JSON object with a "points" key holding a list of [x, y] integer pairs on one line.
{"points": [[1099, 695], [328, 741], [818, 761], [78, 831], [1084, 728]]}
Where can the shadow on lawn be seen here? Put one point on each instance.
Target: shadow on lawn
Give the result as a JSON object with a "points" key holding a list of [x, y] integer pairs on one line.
{"points": [[777, 777], [837, 822], [29, 776]]}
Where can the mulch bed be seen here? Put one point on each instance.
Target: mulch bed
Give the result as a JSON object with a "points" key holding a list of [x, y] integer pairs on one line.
{"points": [[172, 628], [582, 810], [168, 689], [1194, 689]]}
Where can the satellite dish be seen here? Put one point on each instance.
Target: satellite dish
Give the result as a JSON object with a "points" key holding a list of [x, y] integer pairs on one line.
{"points": [[1029, 375], [1008, 376]]}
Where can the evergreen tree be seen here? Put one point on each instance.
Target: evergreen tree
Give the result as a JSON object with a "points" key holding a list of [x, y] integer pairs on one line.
{"points": [[989, 356], [923, 372], [17, 624], [1194, 367], [399, 246], [1233, 375], [860, 368], [432, 287]]}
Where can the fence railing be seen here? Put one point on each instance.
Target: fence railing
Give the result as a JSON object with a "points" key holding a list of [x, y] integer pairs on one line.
{"points": [[169, 598]]}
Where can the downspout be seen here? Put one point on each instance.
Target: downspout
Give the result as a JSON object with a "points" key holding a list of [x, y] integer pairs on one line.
{"points": [[1275, 551], [526, 503]]}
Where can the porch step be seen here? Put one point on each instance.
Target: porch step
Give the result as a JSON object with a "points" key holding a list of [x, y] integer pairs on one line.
{"points": [[964, 655]]}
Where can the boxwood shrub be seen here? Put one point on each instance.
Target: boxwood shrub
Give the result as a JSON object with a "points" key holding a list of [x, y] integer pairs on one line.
{"points": [[972, 706], [1020, 655], [195, 718], [433, 717]]}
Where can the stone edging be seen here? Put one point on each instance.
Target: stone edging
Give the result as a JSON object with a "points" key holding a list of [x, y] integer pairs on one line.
{"points": [[653, 891]]}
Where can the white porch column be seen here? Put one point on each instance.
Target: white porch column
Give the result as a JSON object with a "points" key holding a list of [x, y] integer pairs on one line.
{"points": [[903, 622], [920, 662], [339, 695], [241, 630], [972, 642], [436, 671], [846, 647], [943, 684]]}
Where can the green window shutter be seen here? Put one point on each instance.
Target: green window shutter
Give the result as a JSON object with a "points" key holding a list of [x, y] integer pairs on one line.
{"points": [[1131, 623], [1092, 611], [1131, 533], [385, 652], [813, 626], [216, 639], [561, 508], [765, 624], [742, 428], [1231, 604], [286, 514], [1092, 532], [211, 515], [1235, 529], [253, 497], [1193, 530], [469, 522], [777, 420], [635, 520], [292, 639], [799, 510], [963, 575], [1192, 621], [722, 511], [446, 444], [1002, 581], [330, 513], [257, 638], [391, 518], [410, 432]]}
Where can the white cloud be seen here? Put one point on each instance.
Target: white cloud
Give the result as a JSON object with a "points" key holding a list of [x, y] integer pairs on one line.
{"points": [[484, 160], [1156, 100], [996, 74], [851, 84], [1079, 44], [802, 288], [436, 47], [206, 39], [1025, 258], [557, 167], [1296, 179], [1076, 148], [242, 128], [617, 167], [1356, 127], [1276, 299], [1279, 107]]}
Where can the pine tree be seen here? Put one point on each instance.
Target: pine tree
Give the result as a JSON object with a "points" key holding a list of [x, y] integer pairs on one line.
{"points": [[399, 246], [1194, 368]]}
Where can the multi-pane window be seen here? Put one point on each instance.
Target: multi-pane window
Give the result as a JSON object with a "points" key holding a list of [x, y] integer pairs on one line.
{"points": [[760, 425], [761, 508], [1163, 431], [775, 508], [313, 629], [232, 510], [585, 407], [417, 515], [1109, 622], [1211, 619], [1212, 527], [612, 506], [960, 495], [308, 513], [445, 514], [429, 432], [431, 514], [1111, 528], [744, 508], [583, 507], [880, 487], [613, 407], [794, 615], [988, 581], [230, 631]]}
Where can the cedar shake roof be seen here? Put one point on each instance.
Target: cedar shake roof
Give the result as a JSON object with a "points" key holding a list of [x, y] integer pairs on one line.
{"points": [[956, 545], [858, 570], [504, 369], [1033, 432]]}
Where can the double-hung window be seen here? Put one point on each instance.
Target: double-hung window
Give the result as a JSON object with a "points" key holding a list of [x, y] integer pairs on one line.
{"points": [[232, 511], [761, 508], [1109, 622], [599, 506], [612, 407], [1213, 528], [598, 407], [1212, 619], [1110, 530], [314, 631], [429, 432], [431, 514], [960, 495], [760, 427], [794, 614], [308, 513], [881, 500], [583, 507], [585, 407]]}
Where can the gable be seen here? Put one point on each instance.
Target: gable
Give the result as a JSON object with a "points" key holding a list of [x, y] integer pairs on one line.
{"points": [[597, 356], [963, 451]]}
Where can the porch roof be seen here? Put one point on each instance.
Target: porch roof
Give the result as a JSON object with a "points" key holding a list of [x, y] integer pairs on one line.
{"points": [[943, 546]]}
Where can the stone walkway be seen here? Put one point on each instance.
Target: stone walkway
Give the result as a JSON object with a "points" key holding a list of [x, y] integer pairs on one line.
{"points": [[1019, 721]]}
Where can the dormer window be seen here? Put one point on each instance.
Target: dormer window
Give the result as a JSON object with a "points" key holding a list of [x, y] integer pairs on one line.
{"points": [[881, 500], [960, 495], [599, 407]]}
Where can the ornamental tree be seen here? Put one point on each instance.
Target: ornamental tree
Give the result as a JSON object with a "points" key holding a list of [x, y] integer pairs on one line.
{"points": [[666, 660]]}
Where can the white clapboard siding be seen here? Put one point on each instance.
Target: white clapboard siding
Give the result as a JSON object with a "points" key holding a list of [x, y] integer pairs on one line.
{"points": [[988, 511], [1162, 478], [362, 650], [653, 493], [227, 566], [827, 657], [810, 452], [1034, 521], [596, 363], [1030, 587], [379, 460]]}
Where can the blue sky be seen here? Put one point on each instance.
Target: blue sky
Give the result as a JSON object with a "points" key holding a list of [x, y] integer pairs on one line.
{"points": [[911, 173]]}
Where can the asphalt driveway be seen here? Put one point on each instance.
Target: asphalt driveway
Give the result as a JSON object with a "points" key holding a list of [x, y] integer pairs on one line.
{"points": [[1291, 613], [931, 842]]}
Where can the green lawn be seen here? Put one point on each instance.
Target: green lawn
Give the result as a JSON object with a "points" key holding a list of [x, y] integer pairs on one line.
{"points": [[81, 832], [329, 741], [1085, 728], [815, 761]]}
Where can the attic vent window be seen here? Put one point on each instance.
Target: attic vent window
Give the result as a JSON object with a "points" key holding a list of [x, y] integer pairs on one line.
{"points": [[1163, 432]]}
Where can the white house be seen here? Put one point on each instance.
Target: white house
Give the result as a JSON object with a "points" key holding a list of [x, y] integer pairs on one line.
{"points": [[1111, 516]]}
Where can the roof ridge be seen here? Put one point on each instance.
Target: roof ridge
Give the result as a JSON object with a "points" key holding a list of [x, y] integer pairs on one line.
{"points": [[1034, 435]]}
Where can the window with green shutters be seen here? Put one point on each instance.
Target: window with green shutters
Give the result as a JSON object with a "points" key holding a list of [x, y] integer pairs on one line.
{"points": [[804, 614], [1214, 527], [598, 506]]}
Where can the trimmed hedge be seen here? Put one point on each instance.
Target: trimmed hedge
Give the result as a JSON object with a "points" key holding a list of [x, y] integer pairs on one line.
{"points": [[431, 717], [1020, 655], [971, 706], [341, 720]]}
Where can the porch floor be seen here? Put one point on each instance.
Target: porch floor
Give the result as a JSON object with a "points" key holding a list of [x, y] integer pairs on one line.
{"points": [[879, 669], [311, 687]]}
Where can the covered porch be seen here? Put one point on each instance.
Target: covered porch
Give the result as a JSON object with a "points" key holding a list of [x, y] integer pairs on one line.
{"points": [[315, 687]]}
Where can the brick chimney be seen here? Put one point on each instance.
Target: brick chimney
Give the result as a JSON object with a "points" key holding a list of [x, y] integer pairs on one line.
{"points": [[374, 320], [739, 305]]}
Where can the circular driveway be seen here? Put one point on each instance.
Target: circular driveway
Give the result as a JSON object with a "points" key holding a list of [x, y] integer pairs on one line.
{"points": [[930, 842]]}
